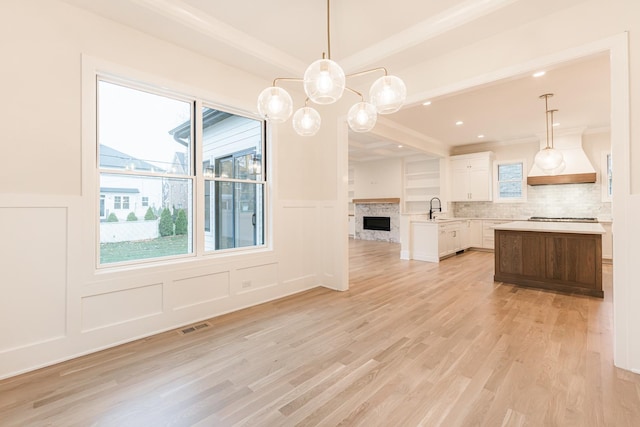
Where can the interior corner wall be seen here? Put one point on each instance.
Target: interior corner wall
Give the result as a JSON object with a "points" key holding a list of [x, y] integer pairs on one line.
{"points": [[47, 276]]}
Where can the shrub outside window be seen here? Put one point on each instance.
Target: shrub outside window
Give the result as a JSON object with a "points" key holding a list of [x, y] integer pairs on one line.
{"points": [[147, 145]]}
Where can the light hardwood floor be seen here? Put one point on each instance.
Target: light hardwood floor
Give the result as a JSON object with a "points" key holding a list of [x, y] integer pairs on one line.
{"points": [[411, 343]]}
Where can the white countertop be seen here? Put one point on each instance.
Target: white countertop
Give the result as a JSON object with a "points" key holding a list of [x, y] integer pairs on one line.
{"points": [[440, 220], [553, 227], [435, 221]]}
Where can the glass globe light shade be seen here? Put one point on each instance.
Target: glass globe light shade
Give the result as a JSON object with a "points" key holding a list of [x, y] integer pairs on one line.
{"points": [[559, 169], [362, 117], [548, 159], [306, 121], [275, 104], [388, 94], [324, 81]]}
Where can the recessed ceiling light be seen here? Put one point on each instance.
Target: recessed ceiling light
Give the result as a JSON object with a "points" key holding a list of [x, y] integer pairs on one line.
{"points": [[459, 123], [426, 103], [400, 146], [480, 136], [539, 74]]}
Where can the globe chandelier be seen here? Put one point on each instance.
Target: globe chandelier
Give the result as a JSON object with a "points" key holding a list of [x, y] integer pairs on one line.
{"points": [[549, 159], [324, 82]]}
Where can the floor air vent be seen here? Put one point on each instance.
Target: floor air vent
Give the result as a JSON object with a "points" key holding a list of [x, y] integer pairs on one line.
{"points": [[194, 328]]}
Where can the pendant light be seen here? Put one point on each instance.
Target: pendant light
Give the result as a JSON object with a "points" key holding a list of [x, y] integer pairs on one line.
{"points": [[306, 121], [324, 82], [362, 117], [275, 104], [548, 159]]}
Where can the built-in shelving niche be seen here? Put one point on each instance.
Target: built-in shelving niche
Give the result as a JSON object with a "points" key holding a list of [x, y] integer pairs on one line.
{"points": [[421, 182]]}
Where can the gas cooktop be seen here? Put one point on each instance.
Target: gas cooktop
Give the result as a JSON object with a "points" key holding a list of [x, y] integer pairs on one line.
{"points": [[562, 219]]}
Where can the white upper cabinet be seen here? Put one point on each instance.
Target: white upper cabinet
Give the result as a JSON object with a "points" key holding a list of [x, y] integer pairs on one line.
{"points": [[471, 177]]}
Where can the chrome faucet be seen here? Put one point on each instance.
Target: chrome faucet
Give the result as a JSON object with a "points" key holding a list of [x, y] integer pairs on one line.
{"points": [[433, 209]]}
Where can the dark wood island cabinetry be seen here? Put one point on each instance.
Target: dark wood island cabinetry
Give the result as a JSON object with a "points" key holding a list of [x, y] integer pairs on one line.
{"points": [[561, 257]]}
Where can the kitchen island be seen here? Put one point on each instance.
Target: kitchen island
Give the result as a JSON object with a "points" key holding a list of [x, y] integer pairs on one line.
{"points": [[560, 256]]}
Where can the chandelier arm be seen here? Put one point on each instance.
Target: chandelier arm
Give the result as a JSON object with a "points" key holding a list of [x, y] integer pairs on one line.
{"points": [[286, 79], [373, 70], [355, 92], [324, 82]]}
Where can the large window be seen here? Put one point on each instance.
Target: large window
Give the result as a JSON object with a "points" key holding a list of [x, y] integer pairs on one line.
{"points": [[510, 181], [147, 143], [234, 182]]}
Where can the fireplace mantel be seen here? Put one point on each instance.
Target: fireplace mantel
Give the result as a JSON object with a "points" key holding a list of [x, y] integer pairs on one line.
{"points": [[387, 200]]}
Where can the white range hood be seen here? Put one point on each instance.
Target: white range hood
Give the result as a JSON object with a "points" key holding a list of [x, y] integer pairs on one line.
{"points": [[578, 167]]}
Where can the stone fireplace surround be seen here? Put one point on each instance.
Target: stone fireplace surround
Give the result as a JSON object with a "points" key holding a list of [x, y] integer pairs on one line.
{"points": [[389, 207]]}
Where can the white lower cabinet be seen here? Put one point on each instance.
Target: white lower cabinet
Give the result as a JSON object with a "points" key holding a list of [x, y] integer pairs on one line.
{"points": [[471, 233], [488, 233], [449, 239], [432, 241], [424, 241]]}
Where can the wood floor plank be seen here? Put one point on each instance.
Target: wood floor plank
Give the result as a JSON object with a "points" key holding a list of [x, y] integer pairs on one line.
{"points": [[410, 343]]}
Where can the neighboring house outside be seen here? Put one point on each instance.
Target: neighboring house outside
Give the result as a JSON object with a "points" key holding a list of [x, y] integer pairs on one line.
{"points": [[231, 145], [176, 192], [122, 195]]}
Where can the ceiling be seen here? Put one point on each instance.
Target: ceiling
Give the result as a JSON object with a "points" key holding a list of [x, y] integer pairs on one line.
{"points": [[279, 38]]}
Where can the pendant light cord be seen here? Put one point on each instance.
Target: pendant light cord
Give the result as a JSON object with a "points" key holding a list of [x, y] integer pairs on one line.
{"points": [[328, 29], [551, 116], [546, 113], [546, 116]]}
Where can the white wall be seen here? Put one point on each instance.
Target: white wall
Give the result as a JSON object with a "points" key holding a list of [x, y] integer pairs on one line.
{"points": [[378, 179], [586, 28], [55, 304]]}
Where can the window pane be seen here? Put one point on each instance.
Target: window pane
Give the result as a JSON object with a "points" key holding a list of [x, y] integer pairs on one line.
{"points": [[236, 215], [142, 131], [510, 172], [163, 228], [233, 211], [510, 190], [510, 181], [236, 139]]}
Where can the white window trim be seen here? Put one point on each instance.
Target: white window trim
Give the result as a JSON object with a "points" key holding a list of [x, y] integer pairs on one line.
{"points": [[92, 69], [604, 177], [497, 198]]}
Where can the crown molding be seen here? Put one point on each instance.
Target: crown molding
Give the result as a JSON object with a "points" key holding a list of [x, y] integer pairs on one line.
{"points": [[209, 26]]}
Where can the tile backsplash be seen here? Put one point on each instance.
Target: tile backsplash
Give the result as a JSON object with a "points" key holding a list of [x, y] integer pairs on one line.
{"points": [[566, 200]]}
